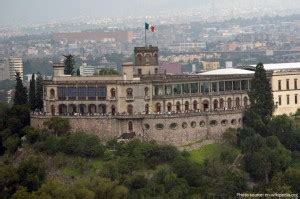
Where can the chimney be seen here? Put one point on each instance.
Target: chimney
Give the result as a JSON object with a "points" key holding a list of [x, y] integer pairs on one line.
{"points": [[128, 71], [58, 69]]}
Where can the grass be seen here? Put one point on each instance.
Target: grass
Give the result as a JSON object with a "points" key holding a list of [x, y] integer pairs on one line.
{"points": [[208, 151], [211, 151]]}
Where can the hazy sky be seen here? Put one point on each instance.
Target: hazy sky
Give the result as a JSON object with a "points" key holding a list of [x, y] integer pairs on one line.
{"points": [[34, 11]]}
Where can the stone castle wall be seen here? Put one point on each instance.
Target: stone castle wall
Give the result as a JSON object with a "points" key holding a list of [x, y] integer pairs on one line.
{"points": [[177, 130]]}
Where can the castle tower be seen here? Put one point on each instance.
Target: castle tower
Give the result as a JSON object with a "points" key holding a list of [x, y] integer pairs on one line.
{"points": [[146, 60]]}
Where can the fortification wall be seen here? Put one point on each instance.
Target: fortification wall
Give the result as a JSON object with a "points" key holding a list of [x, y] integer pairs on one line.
{"points": [[177, 130]]}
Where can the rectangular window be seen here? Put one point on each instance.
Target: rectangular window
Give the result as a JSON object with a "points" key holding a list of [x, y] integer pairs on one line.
{"points": [[279, 85], [194, 88], [214, 87], [245, 85], [295, 84], [82, 93], [72, 93], [177, 89], [185, 88], [279, 100], [62, 93], [91, 93], [228, 86], [236, 85], [288, 99], [102, 91], [204, 87], [287, 84], [296, 99], [168, 89], [221, 86]]}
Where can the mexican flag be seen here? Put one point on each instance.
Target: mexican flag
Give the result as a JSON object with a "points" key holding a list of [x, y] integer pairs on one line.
{"points": [[149, 27]]}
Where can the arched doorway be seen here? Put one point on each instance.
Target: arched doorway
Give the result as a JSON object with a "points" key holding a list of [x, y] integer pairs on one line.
{"points": [[82, 109], [130, 109], [205, 104], [92, 109], [63, 110], [186, 106], [158, 108], [72, 109], [52, 93], [113, 110], [113, 93]]}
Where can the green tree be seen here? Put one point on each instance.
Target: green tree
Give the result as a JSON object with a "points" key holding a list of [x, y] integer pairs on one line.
{"points": [[261, 96], [8, 180], [20, 91], [32, 173], [58, 125], [69, 64], [32, 93], [39, 92]]}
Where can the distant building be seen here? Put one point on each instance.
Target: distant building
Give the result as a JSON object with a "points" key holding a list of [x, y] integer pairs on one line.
{"points": [[210, 65], [15, 65], [188, 46], [119, 36], [86, 70], [4, 69]]}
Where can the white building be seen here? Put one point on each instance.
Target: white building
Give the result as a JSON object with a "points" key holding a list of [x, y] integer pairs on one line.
{"points": [[86, 70], [15, 65], [4, 69]]}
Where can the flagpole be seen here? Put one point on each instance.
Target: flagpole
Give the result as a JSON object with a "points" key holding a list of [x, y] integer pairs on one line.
{"points": [[145, 35]]}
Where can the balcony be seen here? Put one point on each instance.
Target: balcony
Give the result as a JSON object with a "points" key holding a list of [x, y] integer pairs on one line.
{"points": [[130, 98], [112, 98]]}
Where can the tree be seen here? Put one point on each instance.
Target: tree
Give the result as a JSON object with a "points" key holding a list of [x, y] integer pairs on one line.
{"points": [[69, 64], [32, 97], [20, 92], [78, 72], [58, 125], [39, 92], [261, 96]]}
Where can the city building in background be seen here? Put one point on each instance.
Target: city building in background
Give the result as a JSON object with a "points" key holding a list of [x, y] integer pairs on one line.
{"points": [[15, 65]]}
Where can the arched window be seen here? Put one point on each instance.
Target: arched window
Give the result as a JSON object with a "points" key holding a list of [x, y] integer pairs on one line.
{"points": [[186, 106], [195, 105], [229, 103], [158, 108], [169, 107], [113, 110], [129, 92], [82, 109], [205, 105], [245, 102], [146, 91], [113, 93], [147, 108], [52, 93], [92, 109], [62, 109], [130, 126], [130, 109], [155, 59], [237, 102], [178, 109], [216, 103], [221, 103]]}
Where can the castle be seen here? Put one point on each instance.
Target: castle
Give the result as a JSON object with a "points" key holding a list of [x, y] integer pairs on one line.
{"points": [[171, 109]]}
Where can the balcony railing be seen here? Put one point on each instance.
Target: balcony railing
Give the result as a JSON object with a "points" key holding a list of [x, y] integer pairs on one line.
{"points": [[130, 98]]}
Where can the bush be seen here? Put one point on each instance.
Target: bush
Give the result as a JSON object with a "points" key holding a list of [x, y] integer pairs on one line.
{"points": [[51, 145], [12, 144], [58, 125], [82, 144], [32, 173], [32, 134]]}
